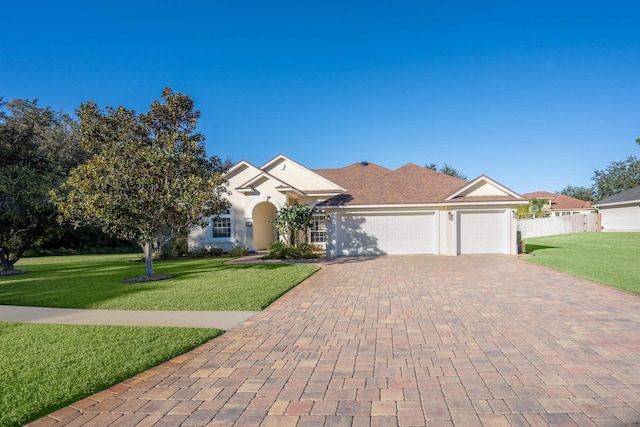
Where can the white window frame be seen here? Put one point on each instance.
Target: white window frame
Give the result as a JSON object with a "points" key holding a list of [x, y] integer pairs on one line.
{"points": [[227, 216], [319, 227]]}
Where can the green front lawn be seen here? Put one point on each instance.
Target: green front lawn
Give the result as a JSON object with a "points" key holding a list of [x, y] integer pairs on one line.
{"points": [[202, 284], [609, 258], [46, 367]]}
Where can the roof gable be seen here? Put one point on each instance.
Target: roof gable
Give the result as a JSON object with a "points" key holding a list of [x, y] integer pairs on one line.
{"points": [[484, 187], [298, 176], [240, 172]]}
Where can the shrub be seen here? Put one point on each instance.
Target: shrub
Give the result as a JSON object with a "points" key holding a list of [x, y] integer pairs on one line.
{"points": [[181, 246], [215, 251], [238, 251], [165, 253], [278, 250], [198, 253], [316, 248]]}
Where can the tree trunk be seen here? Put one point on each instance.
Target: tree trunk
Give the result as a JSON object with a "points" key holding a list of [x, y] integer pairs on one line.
{"points": [[148, 258], [5, 264]]}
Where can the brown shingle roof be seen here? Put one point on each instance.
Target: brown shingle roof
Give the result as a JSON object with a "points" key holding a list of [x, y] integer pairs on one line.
{"points": [[410, 184], [354, 175], [559, 201]]}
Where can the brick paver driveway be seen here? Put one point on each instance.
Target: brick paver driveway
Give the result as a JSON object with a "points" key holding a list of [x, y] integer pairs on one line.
{"points": [[469, 340]]}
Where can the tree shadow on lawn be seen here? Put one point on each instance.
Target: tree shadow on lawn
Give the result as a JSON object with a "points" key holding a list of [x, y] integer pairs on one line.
{"points": [[530, 248], [61, 287]]}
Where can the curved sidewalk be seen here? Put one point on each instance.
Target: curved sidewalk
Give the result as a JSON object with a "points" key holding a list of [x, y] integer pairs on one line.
{"points": [[195, 319]]}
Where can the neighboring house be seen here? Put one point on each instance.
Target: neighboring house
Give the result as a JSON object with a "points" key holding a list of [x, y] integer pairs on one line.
{"points": [[366, 209], [621, 212], [559, 204]]}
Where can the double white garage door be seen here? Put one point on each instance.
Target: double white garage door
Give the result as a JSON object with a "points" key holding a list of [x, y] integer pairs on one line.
{"points": [[406, 234], [387, 234]]}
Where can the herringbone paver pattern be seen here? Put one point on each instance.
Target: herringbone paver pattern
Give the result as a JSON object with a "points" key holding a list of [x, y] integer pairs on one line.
{"points": [[408, 341]]}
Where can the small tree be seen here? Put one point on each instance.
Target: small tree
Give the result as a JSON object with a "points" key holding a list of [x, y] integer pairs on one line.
{"points": [[534, 209], [148, 179], [293, 220]]}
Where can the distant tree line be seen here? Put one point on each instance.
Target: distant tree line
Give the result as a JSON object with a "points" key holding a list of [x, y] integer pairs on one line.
{"points": [[618, 176]]}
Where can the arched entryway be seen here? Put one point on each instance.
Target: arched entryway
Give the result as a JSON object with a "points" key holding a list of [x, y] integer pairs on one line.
{"points": [[264, 233]]}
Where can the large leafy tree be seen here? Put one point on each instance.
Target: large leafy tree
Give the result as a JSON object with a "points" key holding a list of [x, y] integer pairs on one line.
{"points": [[149, 178], [38, 147], [617, 177]]}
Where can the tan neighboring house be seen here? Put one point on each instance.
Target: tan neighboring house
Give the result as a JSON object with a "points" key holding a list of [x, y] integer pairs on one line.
{"points": [[366, 209], [559, 204]]}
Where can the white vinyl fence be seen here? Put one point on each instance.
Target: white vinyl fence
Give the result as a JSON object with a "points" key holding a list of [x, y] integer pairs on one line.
{"points": [[538, 227]]}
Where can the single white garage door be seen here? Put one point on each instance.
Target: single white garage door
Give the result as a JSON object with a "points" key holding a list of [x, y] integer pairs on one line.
{"points": [[483, 232], [387, 234], [625, 218]]}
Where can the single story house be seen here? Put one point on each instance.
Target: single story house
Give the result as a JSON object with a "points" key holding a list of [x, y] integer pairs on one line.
{"points": [[367, 209], [620, 212], [559, 204]]}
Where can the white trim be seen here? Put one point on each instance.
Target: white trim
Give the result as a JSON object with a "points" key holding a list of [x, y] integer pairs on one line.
{"points": [[264, 198], [235, 167], [496, 203], [401, 208], [614, 204], [285, 158], [487, 180], [231, 227], [392, 206], [259, 176]]}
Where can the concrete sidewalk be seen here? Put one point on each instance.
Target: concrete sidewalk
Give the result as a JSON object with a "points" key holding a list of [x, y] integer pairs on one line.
{"points": [[196, 319]]}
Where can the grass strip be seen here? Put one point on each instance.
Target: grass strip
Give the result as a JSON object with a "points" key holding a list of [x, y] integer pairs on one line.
{"points": [[47, 367], [202, 284], [609, 258]]}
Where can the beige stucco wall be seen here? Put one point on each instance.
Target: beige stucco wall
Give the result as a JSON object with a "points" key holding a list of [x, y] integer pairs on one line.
{"points": [[256, 206], [298, 176]]}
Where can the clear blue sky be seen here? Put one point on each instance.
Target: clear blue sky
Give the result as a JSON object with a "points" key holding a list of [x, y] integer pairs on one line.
{"points": [[535, 94]]}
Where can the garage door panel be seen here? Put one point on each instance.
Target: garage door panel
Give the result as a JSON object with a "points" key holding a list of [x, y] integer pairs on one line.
{"points": [[387, 234], [483, 232]]}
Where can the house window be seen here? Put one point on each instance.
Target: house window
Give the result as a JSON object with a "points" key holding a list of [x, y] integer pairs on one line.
{"points": [[318, 230], [221, 226]]}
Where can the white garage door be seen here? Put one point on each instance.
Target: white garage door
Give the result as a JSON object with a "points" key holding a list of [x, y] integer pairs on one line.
{"points": [[386, 234], [621, 218], [483, 232]]}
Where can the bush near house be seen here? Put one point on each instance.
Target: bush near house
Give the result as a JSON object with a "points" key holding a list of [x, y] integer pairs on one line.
{"points": [[279, 250]]}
